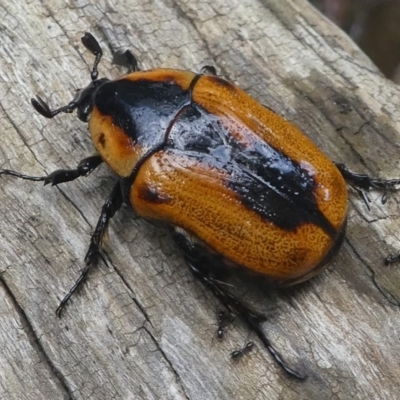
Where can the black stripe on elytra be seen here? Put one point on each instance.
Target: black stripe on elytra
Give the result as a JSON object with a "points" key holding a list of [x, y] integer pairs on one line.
{"points": [[262, 177], [284, 197], [286, 209], [276, 187]]}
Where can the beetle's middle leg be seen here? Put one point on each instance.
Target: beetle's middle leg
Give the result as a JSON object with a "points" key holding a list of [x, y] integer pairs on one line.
{"points": [[85, 167], [365, 183], [110, 207]]}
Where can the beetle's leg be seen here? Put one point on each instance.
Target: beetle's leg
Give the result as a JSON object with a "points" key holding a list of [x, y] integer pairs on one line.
{"points": [[125, 58], [253, 319], [85, 167], [365, 182], [196, 261], [110, 207]]}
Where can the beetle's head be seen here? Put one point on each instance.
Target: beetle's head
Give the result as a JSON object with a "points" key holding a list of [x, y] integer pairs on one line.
{"points": [[82, 102]]}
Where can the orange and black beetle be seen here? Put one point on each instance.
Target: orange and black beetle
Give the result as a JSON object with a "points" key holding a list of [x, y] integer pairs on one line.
{"points": [[240, 185]]}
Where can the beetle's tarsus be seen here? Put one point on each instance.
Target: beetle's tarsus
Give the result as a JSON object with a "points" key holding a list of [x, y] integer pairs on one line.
{"points": [[364, 182], [22, 176], [85, 167], [66, 298], [110, 207]]}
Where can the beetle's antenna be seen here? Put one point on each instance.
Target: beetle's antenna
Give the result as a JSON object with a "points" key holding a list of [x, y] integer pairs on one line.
{"points": [[126, 59], [90, 42], [42, 108]]}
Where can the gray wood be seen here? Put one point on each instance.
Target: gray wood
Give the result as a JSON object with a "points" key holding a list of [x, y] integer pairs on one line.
{"points": [[142, 328]]}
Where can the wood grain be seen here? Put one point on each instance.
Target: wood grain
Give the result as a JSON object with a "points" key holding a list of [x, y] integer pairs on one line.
{"points": [[143, 328]]}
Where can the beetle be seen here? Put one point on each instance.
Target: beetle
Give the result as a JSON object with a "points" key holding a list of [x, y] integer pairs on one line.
{"points": [[240, 186]]}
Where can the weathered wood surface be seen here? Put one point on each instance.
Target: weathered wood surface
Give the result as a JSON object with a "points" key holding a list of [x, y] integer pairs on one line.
{"points": [[338, 328]]}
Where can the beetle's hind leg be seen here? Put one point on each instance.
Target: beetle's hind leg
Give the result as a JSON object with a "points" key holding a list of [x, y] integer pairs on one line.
{"points": [[110, 207], [253, 318], [85, 167], [196, 261]]}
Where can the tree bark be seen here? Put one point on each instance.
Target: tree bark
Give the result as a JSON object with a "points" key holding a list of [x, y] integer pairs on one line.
{"points": [[143, 328]]}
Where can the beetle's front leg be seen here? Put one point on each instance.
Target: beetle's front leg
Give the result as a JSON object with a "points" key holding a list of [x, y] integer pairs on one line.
{"points": [[110, 207], [85, 167]]}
